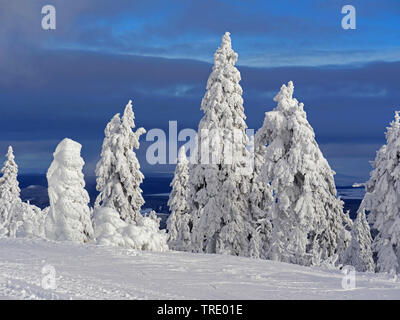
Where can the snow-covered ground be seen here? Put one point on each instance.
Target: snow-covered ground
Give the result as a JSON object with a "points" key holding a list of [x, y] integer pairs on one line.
{"points": [[95, 272]]}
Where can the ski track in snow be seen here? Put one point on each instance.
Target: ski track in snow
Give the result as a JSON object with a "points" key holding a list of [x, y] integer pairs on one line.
{"points": [[96, 272]]}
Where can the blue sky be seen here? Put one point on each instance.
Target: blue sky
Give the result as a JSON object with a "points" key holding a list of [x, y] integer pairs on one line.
{"points": [[69, 82]]}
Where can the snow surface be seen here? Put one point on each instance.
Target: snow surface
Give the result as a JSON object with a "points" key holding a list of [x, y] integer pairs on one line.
{"points": [[97, 272]]}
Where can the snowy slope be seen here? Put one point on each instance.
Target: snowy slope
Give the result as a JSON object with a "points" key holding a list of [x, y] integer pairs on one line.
{"points": [[94, 272]]}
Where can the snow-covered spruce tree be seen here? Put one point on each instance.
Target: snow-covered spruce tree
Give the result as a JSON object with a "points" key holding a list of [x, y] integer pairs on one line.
{"points": [[219, 175], [359, 253], [307, 217], [10, 201], [69, 214], [17, 218], [382, 200], [118, 170], [178, 223], [261, 200]]}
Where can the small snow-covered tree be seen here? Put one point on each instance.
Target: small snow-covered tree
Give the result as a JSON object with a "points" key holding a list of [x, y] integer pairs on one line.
{"points": [[219, 176], [382, 200], [69, 214], [261, 199], [178, 223], [307, 217], [10, 201], [359, 253], [17, 218], [118, 171]]}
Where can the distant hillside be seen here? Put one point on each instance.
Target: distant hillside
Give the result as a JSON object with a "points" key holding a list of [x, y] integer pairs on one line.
{"points": [[155, 193]]}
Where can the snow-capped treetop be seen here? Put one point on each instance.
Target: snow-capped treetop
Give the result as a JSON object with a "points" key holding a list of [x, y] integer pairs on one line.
{"points": [[118, 171], [182, 159], [382, 199], [68, 154], [127, 124], [128, 118], [286, 102], [9, 185], [225, 54], [223, 103]]}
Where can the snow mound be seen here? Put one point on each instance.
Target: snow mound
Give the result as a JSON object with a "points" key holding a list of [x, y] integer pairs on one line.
{"points": [[111, 230], [32, 222]]}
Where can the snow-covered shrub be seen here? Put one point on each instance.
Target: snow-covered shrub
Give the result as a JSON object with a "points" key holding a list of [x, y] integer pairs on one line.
{"points": [[32, 222], [108, 226], [69, 214], [111, 230], [146, 235], [219, 189], [118, 170], [382, 200], [179, 237]]}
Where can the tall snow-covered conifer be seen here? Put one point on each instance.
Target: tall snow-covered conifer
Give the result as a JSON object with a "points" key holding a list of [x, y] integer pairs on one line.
{"points": [[118, 171], [382, 200], [69, 214], [308, 220], [359, 253], [10, 202], [178, 223], [219, 176]]}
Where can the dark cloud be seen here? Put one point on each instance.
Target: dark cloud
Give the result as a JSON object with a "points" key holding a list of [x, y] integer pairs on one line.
{"points": [[75, 93], [71, 81]]}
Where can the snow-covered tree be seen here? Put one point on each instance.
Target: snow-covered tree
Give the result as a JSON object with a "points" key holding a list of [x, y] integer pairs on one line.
{"points": [[17, 218], [10, 201], [219, 175], [307, 217], [382, 200], [178, 223], [261, 199], [69, 214], [359, 253], [118, 171]]}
